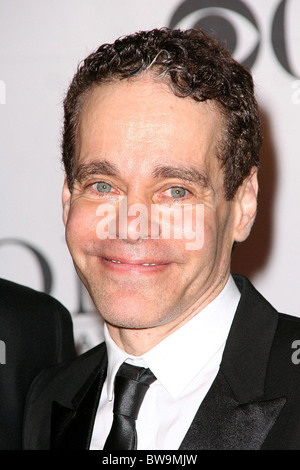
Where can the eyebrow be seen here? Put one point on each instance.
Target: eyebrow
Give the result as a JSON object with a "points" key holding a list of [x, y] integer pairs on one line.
{"points": [[185, 173], [85, 170]]}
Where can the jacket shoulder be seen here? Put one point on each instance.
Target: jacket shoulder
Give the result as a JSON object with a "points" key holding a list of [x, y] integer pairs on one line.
{"points": [[17, 297], [36, 322], [61, 381], [37, 331], [65, 384]]}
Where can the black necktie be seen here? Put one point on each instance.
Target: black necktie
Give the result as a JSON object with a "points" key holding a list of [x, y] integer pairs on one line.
{"points": [[131, 385]]}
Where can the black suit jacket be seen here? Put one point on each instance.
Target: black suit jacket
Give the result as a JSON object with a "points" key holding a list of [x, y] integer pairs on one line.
{"points": [[254, 402], [37, 332]]}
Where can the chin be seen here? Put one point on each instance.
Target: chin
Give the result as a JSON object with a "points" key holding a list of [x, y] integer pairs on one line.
{"points": [[128, 323], [130, 320], [129, 309], [125, 313], [134, 317]]}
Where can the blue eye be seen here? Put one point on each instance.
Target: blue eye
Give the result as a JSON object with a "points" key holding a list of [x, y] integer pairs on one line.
{"points": [[103, 187], [178, 192]]}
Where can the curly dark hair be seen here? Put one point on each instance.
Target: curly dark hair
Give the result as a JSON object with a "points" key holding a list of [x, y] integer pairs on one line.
{"points": [[194, 65]]}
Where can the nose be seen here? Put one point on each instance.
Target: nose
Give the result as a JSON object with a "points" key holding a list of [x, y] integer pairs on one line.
{"points": [[134, 219]]}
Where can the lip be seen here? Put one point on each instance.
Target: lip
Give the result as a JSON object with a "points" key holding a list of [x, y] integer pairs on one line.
{"points": [[143, 266]]}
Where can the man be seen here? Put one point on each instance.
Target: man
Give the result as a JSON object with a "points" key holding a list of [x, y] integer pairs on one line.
{"points": [[35, 333], [165, 123]]}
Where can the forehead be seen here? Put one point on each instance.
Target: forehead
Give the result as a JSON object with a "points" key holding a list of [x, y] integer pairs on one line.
{"points": [[142, 118]]}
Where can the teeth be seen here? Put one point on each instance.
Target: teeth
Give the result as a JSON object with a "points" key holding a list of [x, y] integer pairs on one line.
{"points": [[143, 264]]}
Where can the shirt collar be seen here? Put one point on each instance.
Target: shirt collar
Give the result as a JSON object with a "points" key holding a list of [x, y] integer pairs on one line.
{"points": [[116, 357], [189, 348]]}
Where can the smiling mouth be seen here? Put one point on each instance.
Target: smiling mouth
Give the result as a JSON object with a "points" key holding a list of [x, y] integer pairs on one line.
{"points": [[130, 266], [133, 263]]}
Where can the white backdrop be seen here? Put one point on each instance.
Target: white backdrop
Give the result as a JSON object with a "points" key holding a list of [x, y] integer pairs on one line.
{"points": [[41, 43]]}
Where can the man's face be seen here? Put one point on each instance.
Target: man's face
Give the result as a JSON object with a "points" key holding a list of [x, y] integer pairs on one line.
{"points": [[138, 140]]}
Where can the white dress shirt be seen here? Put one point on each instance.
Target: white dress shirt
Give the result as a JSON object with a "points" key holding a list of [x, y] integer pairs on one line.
{"points": [[185, 364]]}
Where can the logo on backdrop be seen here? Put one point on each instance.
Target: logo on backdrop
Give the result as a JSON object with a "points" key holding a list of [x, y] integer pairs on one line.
{"points": [[46, 276], [236, 25]]}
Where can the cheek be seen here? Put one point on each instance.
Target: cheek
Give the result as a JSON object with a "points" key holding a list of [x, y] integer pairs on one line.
{"points": [[186, 223], [195, 235], [209, 245], [81, 226], [206, 229], [218, 234]]}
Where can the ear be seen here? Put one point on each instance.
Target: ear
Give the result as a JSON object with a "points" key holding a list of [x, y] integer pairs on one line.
{"points": [[66, 201], [246, 206]]}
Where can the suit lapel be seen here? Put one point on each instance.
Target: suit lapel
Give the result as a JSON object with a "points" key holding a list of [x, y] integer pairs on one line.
{"points": [[72, 426], [236, 413], [222, 423]]}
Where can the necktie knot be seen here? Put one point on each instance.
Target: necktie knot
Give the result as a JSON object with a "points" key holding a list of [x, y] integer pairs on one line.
{"points": [[131, 385]]}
